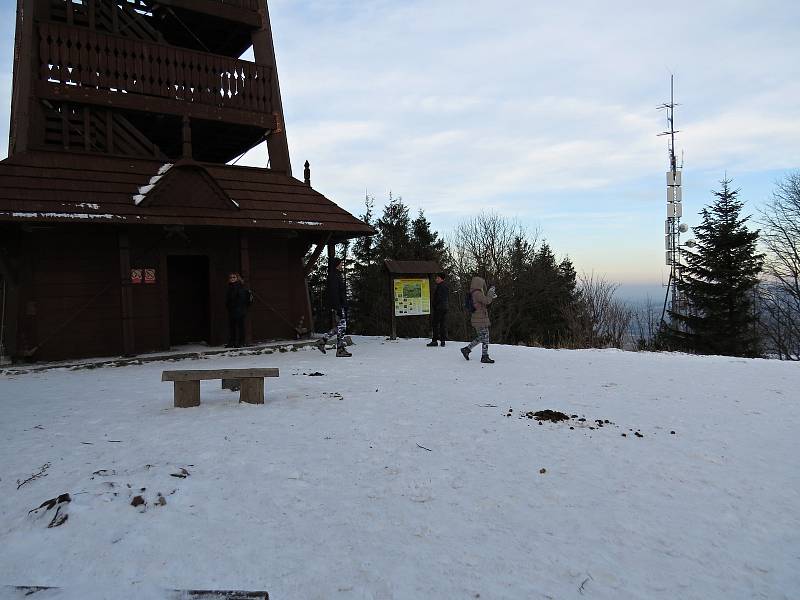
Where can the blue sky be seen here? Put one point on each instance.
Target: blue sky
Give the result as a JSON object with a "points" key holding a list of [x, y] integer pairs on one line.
{"points": [[544, 112]]}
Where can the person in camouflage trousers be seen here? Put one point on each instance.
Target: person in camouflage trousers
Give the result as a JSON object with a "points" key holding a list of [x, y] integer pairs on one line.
{"points": [[337, 300], [481, 299]]}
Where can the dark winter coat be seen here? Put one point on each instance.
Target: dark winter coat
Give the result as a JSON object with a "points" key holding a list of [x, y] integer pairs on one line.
{"points": [[337, 291], [480, 318], [237, 300], [441, 296]]}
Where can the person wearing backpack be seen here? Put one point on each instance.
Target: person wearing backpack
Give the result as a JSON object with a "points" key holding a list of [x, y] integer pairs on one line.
{"points": [[480, 299], [439, 303], [237, 300]]}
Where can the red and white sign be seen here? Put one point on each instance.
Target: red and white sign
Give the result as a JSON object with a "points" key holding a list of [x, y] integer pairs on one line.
{"points": [[149, 275], [136, 276]]}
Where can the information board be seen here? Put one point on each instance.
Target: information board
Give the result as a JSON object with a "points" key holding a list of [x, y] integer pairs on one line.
{"points": [[412, 297]]}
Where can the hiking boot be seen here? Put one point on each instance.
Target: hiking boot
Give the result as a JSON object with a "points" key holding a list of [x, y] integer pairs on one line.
{"points": [[485, 359], [433, 344], [342, 352], [465, 351], [441, 344], [321, 345]]}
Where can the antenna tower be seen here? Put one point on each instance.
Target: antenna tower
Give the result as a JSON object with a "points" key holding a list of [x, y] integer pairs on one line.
{"points": [[672, 226]]}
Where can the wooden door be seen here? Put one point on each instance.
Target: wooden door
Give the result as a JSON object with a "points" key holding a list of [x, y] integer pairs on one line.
{"points": [[189, 307]]}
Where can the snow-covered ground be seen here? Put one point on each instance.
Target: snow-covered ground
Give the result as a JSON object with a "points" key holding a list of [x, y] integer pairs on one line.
{"points": [[399, 474]]}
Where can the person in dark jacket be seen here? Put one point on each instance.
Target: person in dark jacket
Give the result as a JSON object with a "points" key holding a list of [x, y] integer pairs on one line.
{"points": [[441, 297], [337, 300], [237, 300]]}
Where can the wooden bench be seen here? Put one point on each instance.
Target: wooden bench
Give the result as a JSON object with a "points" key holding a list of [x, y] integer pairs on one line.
{"points": [[187, 384]]}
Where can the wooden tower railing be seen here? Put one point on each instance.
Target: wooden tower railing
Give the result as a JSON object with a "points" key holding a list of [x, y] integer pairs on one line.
{"points": [[74, 56]]}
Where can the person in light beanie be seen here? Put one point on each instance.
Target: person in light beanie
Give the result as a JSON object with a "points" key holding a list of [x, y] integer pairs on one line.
{"points": [[481, 299]]}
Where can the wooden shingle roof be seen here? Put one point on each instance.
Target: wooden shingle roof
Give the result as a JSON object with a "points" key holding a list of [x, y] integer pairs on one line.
{"points": [[69, 187]]}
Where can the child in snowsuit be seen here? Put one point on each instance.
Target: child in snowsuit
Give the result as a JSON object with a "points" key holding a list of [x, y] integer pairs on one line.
{"points": [[481, 299]]}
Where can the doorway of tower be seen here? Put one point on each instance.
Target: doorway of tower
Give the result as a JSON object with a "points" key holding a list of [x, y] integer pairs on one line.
{"points": [[189, 309]]}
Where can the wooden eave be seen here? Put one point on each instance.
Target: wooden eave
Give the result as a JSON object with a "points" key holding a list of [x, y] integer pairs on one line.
{"points": [[84, 188], [411, 267], [222, 10]]}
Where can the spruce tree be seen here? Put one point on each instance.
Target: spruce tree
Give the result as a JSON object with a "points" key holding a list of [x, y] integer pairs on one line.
{"points": [[425, 243], [394, 231], [719, 280], [366, 281]]}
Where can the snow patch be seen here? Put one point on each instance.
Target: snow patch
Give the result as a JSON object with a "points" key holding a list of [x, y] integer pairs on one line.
{"points": [[146, 189], [57, 215]]}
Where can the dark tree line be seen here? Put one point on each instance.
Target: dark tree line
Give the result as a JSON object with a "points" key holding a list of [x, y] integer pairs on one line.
{"points": [[541, 301], [398, 237], [733, 308]]}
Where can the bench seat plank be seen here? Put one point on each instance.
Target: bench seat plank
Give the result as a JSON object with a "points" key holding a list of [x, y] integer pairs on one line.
{"points": [[201, 374]]}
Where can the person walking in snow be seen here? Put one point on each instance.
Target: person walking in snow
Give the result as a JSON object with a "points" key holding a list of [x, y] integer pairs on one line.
{"points": [[237, 300], [481, 299], [337, 300], [441, 296]]}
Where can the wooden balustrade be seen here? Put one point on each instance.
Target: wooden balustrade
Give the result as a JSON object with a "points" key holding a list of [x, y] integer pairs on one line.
{"points": [[78, 57]]}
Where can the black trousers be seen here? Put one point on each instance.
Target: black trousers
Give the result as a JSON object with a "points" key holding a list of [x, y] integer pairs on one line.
{"points": [[440, 325], [235, 331]]}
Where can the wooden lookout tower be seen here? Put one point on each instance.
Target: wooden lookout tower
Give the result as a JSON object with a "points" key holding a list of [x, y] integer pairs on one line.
{"points": [[120, 213]]}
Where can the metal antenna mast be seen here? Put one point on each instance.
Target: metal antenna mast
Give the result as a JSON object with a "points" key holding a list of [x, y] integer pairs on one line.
{"points": [[672, 226]]}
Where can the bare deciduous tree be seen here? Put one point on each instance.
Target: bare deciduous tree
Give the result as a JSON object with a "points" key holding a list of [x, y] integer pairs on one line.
{"points": [[482, 245], [599, 320], [780, 292], [646, 321]]}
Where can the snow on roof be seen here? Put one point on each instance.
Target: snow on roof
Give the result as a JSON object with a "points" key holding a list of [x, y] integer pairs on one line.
{"points": [[309, 223], [145, 189], [62, 215]]}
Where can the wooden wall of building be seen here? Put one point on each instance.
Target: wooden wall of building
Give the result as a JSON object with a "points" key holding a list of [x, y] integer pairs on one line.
{"points": [[276, 277], [69, 300], [151, 248], [76, 297]]}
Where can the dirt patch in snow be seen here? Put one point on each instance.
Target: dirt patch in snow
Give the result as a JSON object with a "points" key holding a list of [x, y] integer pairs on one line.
{"points": [[547, 415], [575, 421]]}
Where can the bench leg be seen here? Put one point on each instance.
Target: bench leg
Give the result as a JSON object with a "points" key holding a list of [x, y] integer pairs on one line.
{"points": [[187, 394], [230, 384], [252, 390]]}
